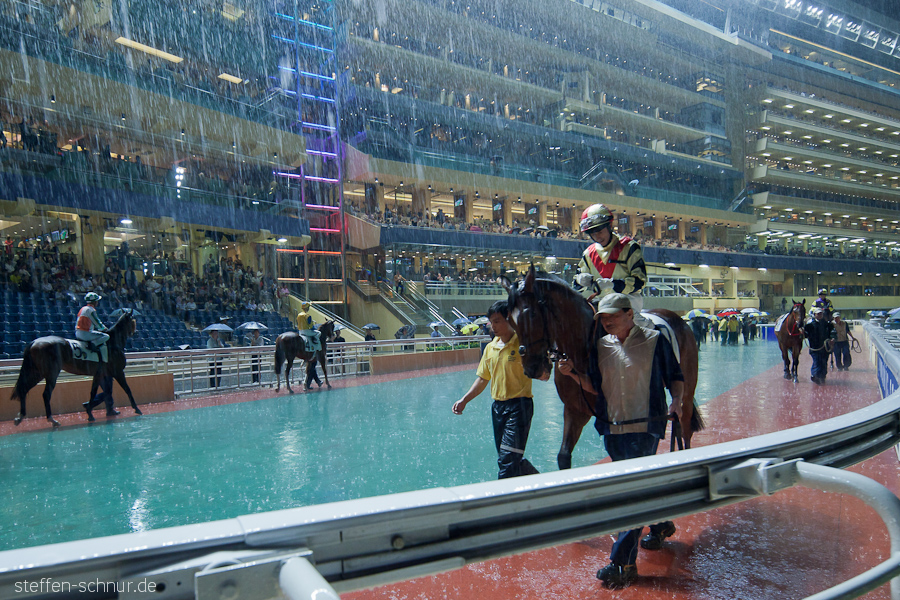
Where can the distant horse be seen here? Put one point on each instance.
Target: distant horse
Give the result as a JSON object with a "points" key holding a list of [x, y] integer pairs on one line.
{"points": [[552, 319], [45, 357], [789, 332], [290, 345]]}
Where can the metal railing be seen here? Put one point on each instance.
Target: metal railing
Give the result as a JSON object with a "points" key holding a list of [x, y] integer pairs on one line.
{"points": [[204, 371]]}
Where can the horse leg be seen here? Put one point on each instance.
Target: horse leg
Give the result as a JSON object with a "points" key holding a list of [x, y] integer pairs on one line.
{"points": [[796, 363], [287, 375], [48, 392], [573, 424], [120, 377], [787, 362]]}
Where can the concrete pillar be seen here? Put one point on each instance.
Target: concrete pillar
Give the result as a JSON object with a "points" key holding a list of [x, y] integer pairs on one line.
{"points": [[762, 241], [421, 200], [542, 213], [680, 231], [92, 249], [374, 198], [657, 228], [805, 246], [507, 212], [247, 253], [731, 285], [703, 240]]}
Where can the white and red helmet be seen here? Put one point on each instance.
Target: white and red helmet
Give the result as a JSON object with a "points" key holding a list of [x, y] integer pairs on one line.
{"points": [[595, 216]]}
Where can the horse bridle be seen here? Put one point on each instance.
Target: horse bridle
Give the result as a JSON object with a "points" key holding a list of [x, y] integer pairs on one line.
{"points": [[552, 353]]}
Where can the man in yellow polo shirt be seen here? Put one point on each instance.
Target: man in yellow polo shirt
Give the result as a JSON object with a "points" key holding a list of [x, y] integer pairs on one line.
{"points": [[501, 365]]}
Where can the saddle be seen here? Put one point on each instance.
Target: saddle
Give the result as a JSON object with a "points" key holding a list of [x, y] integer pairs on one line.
{"points": [[312, 340], [83, 350], [666, 330]]}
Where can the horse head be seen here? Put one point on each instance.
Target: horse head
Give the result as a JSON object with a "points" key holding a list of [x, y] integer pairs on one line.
{"points": [[326, 330], [799, 310], [528, 317]]}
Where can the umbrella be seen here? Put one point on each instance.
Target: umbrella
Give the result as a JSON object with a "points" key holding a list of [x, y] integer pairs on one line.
{"points": [[543, 228], [481, 321], [435, 324], [218, 327], [712, 317], [469, 329], [462, 321], [750, 310], [119, 311], [253, 325], [697, 312], [894, 311], [727, 313], [371, 326]]}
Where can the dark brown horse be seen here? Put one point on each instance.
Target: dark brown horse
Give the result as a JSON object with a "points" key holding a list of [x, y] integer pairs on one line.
{"points": [[790, 338], [45, 357], [290, 345], [551, 318]]}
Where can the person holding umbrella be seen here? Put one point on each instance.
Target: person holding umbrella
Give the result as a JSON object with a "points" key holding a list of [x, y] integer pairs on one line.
{"points": [[255, 340], [215, 371]]}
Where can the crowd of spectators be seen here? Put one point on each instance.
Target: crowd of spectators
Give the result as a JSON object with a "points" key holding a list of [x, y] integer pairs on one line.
{"points": [[223, 285]]}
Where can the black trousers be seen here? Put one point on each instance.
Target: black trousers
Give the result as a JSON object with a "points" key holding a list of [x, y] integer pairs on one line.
{"points": [[512, 423]]}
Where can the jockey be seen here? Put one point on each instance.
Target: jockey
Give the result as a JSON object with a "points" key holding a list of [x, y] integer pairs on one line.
{"points": [[824, 303], [306, 325], [89, 328], [611, 264]]}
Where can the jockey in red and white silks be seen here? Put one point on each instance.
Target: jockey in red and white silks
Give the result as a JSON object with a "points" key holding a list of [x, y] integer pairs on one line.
{"points": [[89, 328], [611, 263]]}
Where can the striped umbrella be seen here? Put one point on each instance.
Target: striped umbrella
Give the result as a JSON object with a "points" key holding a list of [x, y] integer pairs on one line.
{"points": [[697, 312]]}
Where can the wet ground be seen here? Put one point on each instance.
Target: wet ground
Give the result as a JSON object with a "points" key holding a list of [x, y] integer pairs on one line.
{"points": [[213, 458]]}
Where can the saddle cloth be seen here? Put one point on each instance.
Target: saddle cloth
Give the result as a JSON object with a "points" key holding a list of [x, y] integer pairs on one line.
{"points": [[780, 321], [81, 351], [311, 340], [666, 330]]}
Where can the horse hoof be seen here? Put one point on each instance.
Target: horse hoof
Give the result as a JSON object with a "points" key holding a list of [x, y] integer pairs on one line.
{"points": [[54, 421], [329, 385], [787, 376], [137, 411], [17, 420], [87, 409]]}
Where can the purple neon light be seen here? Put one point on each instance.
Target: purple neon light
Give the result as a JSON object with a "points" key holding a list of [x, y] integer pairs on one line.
{"points": [[324, 230], [325, 179], [323, 206]]}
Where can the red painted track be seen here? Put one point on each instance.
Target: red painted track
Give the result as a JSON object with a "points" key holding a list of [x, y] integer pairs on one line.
{"points": [[790, 545]]}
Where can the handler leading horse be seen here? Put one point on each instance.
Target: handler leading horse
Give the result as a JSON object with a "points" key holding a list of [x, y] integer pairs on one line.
{"points": [[290, 345], [552, 319], [789, 332], [45, 357]]}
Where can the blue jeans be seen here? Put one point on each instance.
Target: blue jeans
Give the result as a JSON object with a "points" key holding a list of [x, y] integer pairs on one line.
{"points": [[512, 422], [819, 363], [621, 447]]}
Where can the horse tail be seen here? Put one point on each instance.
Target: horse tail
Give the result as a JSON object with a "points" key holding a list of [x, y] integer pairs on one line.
{"points": [[26, 375], [279, 356], [697, 422]]}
